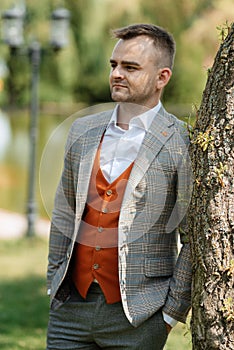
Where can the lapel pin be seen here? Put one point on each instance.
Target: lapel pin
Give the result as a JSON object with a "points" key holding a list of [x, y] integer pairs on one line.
{"points": [[164, 133]]}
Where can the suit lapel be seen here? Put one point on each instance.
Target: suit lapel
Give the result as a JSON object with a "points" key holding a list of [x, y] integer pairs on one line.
{"points": [[160, 131], [158, 134], [92, 140]]}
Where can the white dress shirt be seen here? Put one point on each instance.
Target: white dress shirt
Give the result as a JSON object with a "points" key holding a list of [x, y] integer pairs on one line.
{"points": [[120, 148]]}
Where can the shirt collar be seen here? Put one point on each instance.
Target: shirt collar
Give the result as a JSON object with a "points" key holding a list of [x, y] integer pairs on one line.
{"points": [[143, 120]]}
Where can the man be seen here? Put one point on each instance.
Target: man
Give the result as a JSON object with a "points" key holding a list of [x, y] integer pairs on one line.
{"points": [[115, 279]]}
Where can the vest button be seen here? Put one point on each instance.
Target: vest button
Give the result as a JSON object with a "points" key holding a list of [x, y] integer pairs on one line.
{"points": [[109, 192], [95, 266], [97, 248], [100, 229]]}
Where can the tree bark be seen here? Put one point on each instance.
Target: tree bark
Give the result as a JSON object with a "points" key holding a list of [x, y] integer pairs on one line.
{"points": [[211, 212]]}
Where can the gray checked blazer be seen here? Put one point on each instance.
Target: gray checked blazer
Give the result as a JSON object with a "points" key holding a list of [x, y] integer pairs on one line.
{"points": [[152, 275]]}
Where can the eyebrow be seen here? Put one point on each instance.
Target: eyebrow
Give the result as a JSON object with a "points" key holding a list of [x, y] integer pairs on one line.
{"points": [[127, 63]]}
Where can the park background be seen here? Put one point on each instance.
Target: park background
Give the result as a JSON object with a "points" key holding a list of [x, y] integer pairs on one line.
{"points": [[71, 83]]}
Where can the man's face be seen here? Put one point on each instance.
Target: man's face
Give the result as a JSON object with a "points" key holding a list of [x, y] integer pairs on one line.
{"points": [[134, 74]]}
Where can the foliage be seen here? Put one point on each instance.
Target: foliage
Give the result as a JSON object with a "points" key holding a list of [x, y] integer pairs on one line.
{"points": [[80, 72]]}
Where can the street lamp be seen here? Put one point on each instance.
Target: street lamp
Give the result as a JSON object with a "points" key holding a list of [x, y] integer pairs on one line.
{"points": [[12, 31], [12, 27], [59, 28]]}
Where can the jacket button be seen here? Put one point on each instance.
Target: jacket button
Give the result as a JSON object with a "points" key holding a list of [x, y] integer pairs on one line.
{"points": [[95, 266], [109, 192], [97, 248]]}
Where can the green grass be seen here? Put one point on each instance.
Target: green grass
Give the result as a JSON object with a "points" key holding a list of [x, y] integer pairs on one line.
{"points": [[23, 299], [24, 303], [179, 338]]}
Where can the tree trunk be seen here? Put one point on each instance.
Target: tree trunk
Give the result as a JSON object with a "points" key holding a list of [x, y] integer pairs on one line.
{"points": [[211, 212]]}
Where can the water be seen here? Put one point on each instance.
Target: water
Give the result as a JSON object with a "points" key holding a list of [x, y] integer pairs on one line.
{"points": [[14, 160], [14, 157]]}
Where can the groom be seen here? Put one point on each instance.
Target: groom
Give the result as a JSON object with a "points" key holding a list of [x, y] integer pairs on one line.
{"points": [[115, 278]]}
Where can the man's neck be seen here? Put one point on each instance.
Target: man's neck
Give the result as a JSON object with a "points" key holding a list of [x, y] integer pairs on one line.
{"points": [[127, 111]]}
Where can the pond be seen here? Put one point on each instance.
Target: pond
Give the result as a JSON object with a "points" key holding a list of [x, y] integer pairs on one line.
{"points": [[14, 158], [15, 152]]}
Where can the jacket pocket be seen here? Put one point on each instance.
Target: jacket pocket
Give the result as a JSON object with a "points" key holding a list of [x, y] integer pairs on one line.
{"points": [[159, 267]]}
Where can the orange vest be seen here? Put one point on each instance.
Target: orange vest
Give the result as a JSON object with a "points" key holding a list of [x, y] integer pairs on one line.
{"points": [[96, 253]]}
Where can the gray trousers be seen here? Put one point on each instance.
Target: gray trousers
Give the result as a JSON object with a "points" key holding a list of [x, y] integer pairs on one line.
{"points": [[93, 324]]}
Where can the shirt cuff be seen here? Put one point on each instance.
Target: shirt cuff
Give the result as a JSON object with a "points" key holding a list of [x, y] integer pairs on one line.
{"points": [[168, 319]]}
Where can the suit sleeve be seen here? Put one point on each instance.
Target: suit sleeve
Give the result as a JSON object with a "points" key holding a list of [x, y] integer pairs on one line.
{"points": [[62, 224], [179, 297]]}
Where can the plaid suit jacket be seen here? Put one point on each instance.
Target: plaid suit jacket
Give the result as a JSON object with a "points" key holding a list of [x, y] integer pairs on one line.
{"points": [[152, 274]]}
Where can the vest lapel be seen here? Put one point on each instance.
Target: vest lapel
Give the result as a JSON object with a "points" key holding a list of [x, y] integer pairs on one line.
{"points": [[91, 142]]}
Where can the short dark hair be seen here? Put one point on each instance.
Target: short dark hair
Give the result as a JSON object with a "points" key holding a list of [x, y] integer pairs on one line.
{"points": [[162, 40]]}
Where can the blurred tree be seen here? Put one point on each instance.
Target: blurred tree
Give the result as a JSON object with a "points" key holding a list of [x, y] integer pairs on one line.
{"points": [[211, 214], [175, 15], [178, 17], [91, 24], [18, 79], [56, 70], [81, 71], [199, 43], [86, 22]]}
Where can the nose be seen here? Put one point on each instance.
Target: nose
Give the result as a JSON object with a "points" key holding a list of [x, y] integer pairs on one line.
{"points": [[117, 72]]}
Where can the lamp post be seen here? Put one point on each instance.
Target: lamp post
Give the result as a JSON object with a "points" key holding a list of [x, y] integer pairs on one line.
{"points": [[12, 31], [35, 57], [12, 27]]}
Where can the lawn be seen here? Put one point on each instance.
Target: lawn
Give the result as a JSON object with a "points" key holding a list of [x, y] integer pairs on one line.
{"points": [[24, 303]]}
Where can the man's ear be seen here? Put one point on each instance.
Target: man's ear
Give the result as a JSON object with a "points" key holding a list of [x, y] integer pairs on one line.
{"points": [[164, 75]]}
